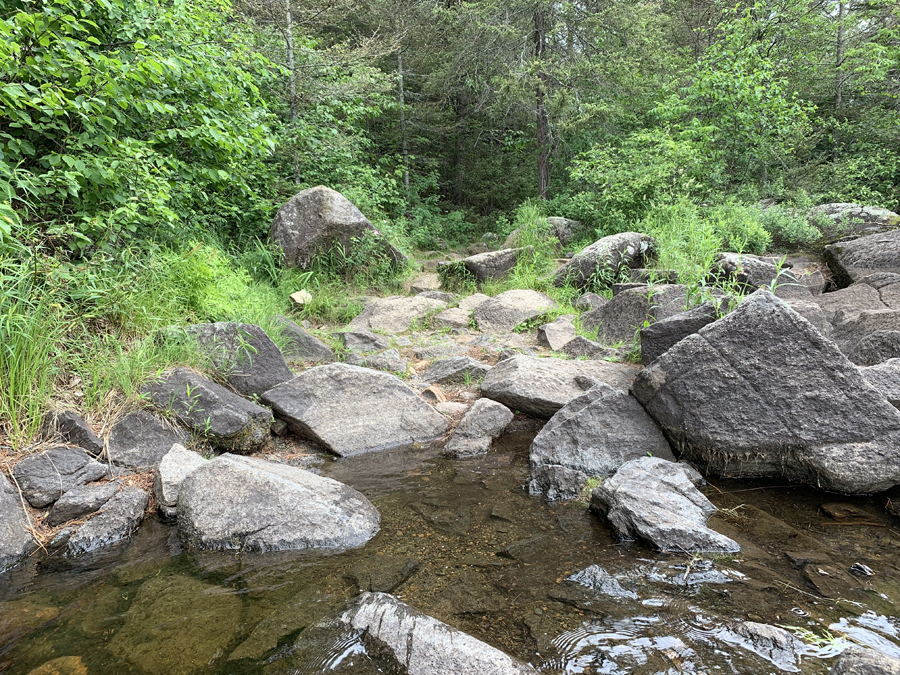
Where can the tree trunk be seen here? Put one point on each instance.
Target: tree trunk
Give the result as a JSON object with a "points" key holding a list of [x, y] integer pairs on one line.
{"points": [[543, 119]]}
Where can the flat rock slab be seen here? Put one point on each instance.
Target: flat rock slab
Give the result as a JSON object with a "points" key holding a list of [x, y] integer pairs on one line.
{"points": [[71, 428], [363, 341], [45, 477], [483, 422], [850, 261], [117, 521], [224, 418], [656, 500], [494, 264], [502, 313], [556, 334], [762, 393], [456, 370], [605, 258], [541, 386], [178, 464], [140, 440], [81, 501], [396, 314], [243, 355], [389, 360], [592, 436], [470, 302], [15, 538], [456, 317], [630, 310], [352, 410], [248, 504], [301, 345]]}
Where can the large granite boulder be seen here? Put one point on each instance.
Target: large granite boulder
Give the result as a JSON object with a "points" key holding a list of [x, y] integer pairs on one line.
{"points": [[455, 370], [845, 219], [852, 260], [885, 377], [481, 424], [81, 501], [876, 347], [862, 661], [222, 417], [751, 272], [761, 392], [502, 313], [657, 500], [493, 264], [605, 258], [540, 387], [247, 504], [243, 355], [395, 314], [71, 428], [351, 410], [592, 436], [628, 311], [47, 476], [661, 335], [15, 538], [176, 465], [317, 219], [302, 346], [139, 441], [116, 522]]}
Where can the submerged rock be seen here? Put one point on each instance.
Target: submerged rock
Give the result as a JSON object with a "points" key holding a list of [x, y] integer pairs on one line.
{"points": [[117, 521], [45, 477], [502, 313], [774, 644], [15, 539], [484, 421], [598, 579], [861, 661], [140, 440]]}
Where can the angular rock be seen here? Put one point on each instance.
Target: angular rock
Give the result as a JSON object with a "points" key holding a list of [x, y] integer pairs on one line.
{"points": [[848, 333], [426, 282], [885, 377], [642, 275], [876, 348], [563, 229], [395, 314], [243, 355], [592, 436], [71, 428], [472, 301], [45, 477], [842, 219], [80, 501], [351, 410], [15, 538], [598, 579], [455, 317], [580, 347], [605, 258], [630, 310], [248, 504], [861, 661], [317, 219], [502, 313], [178, 464], [363, 341], [442, 350], [494, 264], [140, 440], [484, 421], [388, 360], [225, 419], [117, 521], [772, 643], [438, 295], [589, 301], [653, 499], [660, 336], [301, 345], [850, 261], [850, 301], [752, 272], [455, 370], [812, 312], [540, 387], [760, 392], [556, 334]]}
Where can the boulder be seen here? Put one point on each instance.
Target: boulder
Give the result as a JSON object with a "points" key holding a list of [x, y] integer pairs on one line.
{"points": [[656, 500], [47, 476], [642, 275], [849, 302], [139, 441], [176, 465], [448, 298], [80, 501], [770, 642], [592, 436], [494, 264], [71, 428], [862, 661], [541, 386], [389, 360], [234, 503], [885, 377], [470, 302], [605, 258], [484, 421], [396, 314], [302, 346], [425, 282], [225, 419], [812, 312], [580, 347], [660, 336], [751, 272], [850, 261], [243, 355], [563, 229], [556, 334], [761, 392], [598, 579], [319, 218], [455, 317], [352, 410], [441, 350], [455, 370], [624, 315], [844, 219], [848, 333], [116, 521], [502, 313], [876, 348], [363, 341], [589, 301], [16, 541]]}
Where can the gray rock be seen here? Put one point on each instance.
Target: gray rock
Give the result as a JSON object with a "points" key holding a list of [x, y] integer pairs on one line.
{"points": [[762, 393], [812, 312], [47, 476], [592, 436], [630, 310], [848, 333], [861, 661], [841, 219], [388, 360], [580, 347], [438, 295], [301, 345], [71, 428], [455, 370], [849, 302], [178, 464], [885, 377], [396, 314], [752, 272], [598, 579], [556, 334], [494, 264], [422, 645], [455, 317], [248, 504], [243, 355], [589, 301], [61, 538], [540, 387], [450, 408], [80, 501], [484, 421], [472, 301], [351, 410], [770, 642], [606, 257], [642, 275], [850, 261], [563, 229], [876, 348], [117, 521], [363, 341], [139, 441], [315, 220], [442, 350], [655, 500], [502, 313], [15, 538], [660, 336], [225, 419], [426, 282]]}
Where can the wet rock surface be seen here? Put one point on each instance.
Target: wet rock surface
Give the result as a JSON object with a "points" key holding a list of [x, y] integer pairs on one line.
{"points": [[46, 476], [861, 661], [15, 539], [598, 579], [140, 440], [116, 522]]}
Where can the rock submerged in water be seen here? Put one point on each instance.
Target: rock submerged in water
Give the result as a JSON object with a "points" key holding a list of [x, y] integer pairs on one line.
{"points": [[861, 661], [234, 503], [598, 579]]}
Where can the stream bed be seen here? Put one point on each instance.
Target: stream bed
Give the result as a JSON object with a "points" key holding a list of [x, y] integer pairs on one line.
{"points": [[464, 542]]}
